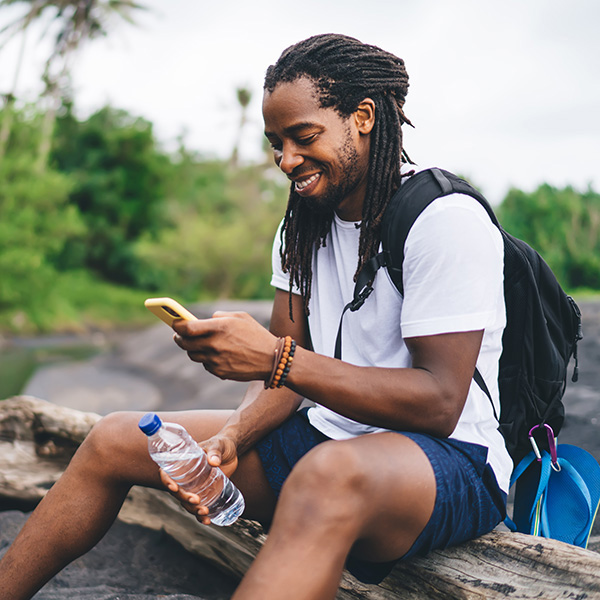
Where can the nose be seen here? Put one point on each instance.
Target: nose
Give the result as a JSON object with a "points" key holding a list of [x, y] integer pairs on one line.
{"points": [[289, 158]]}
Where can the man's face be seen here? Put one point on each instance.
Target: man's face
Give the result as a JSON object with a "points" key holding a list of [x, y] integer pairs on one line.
{"points": [[323, 153]]}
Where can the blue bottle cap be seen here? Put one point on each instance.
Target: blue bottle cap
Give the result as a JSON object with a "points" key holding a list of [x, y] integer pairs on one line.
{"points": [[150, 423]]}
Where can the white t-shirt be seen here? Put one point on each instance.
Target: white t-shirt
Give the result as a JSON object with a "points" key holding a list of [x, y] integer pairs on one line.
{"points": [[453, 282]]}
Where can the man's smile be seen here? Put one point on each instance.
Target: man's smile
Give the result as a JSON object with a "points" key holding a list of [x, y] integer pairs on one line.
{"points": [[306, 185]]}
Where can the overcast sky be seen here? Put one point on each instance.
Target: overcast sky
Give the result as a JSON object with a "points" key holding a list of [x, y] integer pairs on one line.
{"points": [[506, 92]]}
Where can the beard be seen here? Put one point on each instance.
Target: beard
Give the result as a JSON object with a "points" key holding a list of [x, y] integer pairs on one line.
{"points": [[349, 175]]}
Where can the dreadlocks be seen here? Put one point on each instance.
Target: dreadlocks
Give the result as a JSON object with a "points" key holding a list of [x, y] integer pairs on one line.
{"points": [[345, 72]]}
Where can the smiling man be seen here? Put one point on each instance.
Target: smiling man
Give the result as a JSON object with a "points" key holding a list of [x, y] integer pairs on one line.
{"points": [[399, 452]]}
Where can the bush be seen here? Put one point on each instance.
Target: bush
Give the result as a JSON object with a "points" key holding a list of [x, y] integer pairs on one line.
{"points": [[118, 176], [35, 220], [563, 225], [220, 242]]}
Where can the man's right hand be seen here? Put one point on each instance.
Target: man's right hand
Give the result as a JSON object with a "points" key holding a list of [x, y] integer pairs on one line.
{"points": [[222, 453]]}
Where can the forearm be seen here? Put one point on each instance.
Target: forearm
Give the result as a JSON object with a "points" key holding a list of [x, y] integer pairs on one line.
{"points": [[260, 412], [428, 397], [391, 398]]}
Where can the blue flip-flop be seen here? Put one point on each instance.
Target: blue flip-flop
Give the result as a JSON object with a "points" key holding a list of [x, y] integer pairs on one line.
{"points": [[557, 496], [531, 478], [572, 496]]}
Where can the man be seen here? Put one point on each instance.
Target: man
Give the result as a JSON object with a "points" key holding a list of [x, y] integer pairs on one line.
{"points": [[401, 452]]}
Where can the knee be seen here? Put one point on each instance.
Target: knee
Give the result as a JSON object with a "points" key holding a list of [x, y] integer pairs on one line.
{"points": [[330, 482], [110, 438]]}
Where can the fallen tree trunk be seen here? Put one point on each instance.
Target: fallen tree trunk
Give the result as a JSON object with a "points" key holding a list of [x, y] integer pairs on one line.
{"points": [[37, 438]]}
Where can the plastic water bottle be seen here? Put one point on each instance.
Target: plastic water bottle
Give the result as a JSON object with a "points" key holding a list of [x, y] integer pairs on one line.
{"points": [[176, 453]]}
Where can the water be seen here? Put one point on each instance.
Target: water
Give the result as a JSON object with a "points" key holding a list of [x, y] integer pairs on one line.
{"points": [[191, 471], [20, 358], [186, 463]]}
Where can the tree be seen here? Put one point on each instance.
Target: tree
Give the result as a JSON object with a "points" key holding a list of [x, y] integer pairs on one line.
{"points": [[10, 95], [118, 175], [35, 221], [78, 21], [222, 226], [563, 225], [244, 95]]}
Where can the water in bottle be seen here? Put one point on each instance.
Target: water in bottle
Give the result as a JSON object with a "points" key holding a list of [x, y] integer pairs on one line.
{"points": [[176, 453]]}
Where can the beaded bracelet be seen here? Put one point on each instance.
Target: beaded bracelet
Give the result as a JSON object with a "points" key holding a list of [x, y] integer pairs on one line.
{"points": [[288, 364], [276, 356], [281, 360]]}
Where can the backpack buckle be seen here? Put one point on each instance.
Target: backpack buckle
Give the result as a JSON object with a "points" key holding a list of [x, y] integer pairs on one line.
{"points": [[360, 298]]}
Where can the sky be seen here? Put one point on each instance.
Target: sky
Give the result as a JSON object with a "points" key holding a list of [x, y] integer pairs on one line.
{"points": [[505, 92]]}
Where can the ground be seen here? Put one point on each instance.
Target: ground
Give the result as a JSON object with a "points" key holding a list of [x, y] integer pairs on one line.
{"points": [[146, 371]]}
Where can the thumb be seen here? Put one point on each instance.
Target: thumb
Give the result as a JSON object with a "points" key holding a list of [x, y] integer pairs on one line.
{"points": [[222, 453], [214, 452]]}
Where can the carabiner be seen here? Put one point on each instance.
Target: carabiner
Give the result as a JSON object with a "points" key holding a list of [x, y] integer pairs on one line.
{"points": [[551, 445]]}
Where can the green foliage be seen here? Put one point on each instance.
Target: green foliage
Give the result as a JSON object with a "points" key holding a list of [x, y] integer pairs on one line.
{"points": [[16, 367], [114, 220], [563, 226], [118, 174], [35, 219], [77, 301], [222, 227]]}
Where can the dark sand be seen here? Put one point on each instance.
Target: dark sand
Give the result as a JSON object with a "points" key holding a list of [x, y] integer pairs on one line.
{"points": [[132, 563]]}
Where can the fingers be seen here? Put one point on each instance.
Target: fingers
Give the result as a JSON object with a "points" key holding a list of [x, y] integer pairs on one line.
{"points": [[189, 501], [167, 481], [219, 314], [201, 327], [214, 457], [200, 339], [222, 453], [175, 490], [230, 346]]}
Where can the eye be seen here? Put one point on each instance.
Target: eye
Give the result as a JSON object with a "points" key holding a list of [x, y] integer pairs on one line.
{"points": [[275, 143], [307, 139]]}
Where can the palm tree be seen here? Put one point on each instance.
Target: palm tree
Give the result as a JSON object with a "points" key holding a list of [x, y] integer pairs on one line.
{"points": [[79, 21], [244, 95], [10, 96]]}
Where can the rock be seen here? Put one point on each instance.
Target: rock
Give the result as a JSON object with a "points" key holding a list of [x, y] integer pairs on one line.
{"points": [[144, 371], [39, 436]]}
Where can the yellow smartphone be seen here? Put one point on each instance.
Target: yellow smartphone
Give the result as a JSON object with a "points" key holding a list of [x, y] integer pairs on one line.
{"points": [[168, 310]]}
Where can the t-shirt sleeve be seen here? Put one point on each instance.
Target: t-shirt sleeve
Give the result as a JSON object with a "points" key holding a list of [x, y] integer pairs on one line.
{"points": [[452, 268]]}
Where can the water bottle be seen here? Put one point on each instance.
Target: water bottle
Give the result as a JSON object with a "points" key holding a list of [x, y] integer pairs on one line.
{"points": [[176, 453]]}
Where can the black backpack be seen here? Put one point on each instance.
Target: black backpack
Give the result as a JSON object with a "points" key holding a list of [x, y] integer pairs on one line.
{"points": [[543, 323]]}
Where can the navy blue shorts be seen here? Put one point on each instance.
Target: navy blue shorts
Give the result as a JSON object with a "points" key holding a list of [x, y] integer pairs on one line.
{"points": [[468, 500]]}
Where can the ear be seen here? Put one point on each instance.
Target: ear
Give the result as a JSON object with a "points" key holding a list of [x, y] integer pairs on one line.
{"points": [[364, 116]]}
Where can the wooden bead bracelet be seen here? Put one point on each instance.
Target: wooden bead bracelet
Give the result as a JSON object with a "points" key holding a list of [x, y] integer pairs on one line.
{"points": [[282, 362]]}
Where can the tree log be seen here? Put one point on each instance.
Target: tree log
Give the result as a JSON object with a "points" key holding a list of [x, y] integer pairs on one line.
{"points": [[37, 438]]}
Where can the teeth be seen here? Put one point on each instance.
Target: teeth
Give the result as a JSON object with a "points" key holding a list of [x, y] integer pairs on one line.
{"points": [[300, 185]]}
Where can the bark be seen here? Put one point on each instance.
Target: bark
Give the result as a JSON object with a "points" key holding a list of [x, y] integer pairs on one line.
{"points": [[37, 438]]}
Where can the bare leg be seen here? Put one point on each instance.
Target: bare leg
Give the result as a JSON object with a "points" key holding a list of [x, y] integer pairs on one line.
{"points": [[82, 505], [374, 494]]}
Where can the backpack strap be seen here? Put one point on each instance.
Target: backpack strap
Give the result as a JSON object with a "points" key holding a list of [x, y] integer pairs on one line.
{"points": [[478, 377], [413, 197], [409, 201], [362, 290]]}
